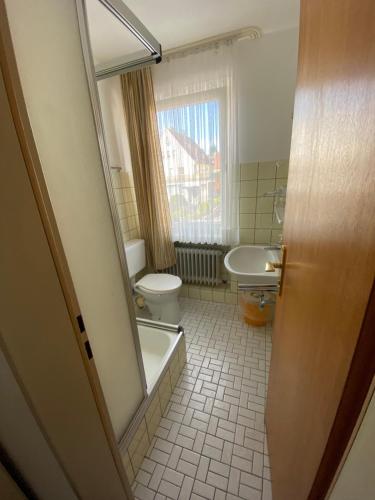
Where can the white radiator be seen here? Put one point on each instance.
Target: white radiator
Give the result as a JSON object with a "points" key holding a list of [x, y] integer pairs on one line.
{"points": [[197, 266]]}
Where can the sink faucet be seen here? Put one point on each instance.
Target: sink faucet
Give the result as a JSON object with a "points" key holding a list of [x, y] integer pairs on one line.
{"points": [[263, 301]]}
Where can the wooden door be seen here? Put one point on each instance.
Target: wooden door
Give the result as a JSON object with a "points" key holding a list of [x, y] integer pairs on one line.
{"points": [[329, 233]]}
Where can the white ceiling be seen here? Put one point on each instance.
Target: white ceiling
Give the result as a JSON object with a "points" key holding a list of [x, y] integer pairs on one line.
{"points": [[177, 22]]}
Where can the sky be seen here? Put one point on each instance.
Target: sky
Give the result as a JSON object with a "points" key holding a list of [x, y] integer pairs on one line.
{"points": [[198, 121]]}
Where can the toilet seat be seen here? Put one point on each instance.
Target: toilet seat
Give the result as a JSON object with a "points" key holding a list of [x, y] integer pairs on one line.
{"points": [[159, 283]]}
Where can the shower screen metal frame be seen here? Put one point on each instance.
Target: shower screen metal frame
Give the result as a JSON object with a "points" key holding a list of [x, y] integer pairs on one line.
{"points": [[134, 61], [95, 104]]}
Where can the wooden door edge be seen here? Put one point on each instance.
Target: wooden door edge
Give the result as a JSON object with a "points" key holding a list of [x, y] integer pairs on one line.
{"points": [[9, 69], [352, 405]]}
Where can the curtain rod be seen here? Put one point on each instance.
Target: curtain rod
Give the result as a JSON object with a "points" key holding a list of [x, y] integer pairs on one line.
{"points": [[252, 32]]}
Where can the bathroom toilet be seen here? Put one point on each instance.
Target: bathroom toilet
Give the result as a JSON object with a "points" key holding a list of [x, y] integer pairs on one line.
{"points": [[160, 291]]}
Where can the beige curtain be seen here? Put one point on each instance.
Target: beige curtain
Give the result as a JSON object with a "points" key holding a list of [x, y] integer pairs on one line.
{"points": [[148, 171]]}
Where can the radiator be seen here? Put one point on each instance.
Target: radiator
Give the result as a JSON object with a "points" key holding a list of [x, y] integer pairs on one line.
{"points": [[197, 266]]}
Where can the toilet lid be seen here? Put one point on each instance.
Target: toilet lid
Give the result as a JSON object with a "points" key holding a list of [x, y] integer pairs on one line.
{"points": [[159, 283]]}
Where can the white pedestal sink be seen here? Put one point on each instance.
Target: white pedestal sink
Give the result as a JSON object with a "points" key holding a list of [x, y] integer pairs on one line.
{"points": [[247, 264]]}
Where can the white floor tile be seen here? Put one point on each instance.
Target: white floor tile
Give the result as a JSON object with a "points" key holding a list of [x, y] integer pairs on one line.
{"points": [[211, 440]]}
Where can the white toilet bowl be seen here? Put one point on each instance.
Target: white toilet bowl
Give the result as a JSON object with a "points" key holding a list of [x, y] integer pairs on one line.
{"points": [[161, 296]]}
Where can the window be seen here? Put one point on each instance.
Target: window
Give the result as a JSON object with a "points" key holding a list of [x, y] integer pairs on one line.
{"points": [[191, 136], [196, 101]]}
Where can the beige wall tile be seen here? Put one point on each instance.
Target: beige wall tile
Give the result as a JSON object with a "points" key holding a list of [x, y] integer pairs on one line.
{"points": [[206, 294], [246, 236], [247, 221], [194, 292], [124, 225], [128, 466], [264, 205], [174, 376], [125, 178], [119, 197], [121, 209], [248, 188], [282, 170], [137, 456], [275, 224], [262, 236], [263, 221], [275, 235], [264, 186], [247, 205], [153, 422], [234, 286], [230, 298], [282, 181], [267, 170], [182, 356], [116, 178], [249, 171], [219, 295]]}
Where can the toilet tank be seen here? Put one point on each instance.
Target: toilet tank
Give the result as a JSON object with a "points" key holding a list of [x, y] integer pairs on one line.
{"points": [[135, 256]]}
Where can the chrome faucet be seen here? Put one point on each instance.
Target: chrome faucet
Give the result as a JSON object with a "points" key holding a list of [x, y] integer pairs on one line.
{"points": [[263, 301]]}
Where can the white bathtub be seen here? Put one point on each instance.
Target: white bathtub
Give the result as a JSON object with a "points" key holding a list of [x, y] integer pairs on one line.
{"points": [[157, 345]]}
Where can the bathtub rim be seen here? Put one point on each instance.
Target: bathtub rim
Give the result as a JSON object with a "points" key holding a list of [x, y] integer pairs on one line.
{"points": [[174, 339], [125, 440]]}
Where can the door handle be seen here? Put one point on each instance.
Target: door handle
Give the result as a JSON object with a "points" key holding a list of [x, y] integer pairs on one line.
{"points": [[271, 267]]}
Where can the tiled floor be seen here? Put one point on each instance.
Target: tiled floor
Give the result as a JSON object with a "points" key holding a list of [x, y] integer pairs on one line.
{"points": [[211, 442]]}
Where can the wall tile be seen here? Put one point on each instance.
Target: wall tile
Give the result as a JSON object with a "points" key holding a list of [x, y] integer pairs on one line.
{"points": [[165, 391], [139, 444], [276, 235], [246, 236], [194, 292], [247, 205], [263, 221], [264, 205], [119, 197], [247, 220], [282, 169], [249, 171], [233, 286], [282, 181], [116, 179], [206, 293], [230, 297], [128, 466], [124, 192], [262, 236], [265, 186], [248, 188], [267, 170], [219, 295]]}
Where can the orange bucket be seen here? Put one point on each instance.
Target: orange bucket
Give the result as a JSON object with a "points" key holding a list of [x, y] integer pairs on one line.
{"points": [[252, 314]]}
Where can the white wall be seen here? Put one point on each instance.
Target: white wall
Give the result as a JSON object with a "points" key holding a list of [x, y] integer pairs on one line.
{"points": [[23, 440], [115, 133], [357, 478], [267, 70], [50, 62]]}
